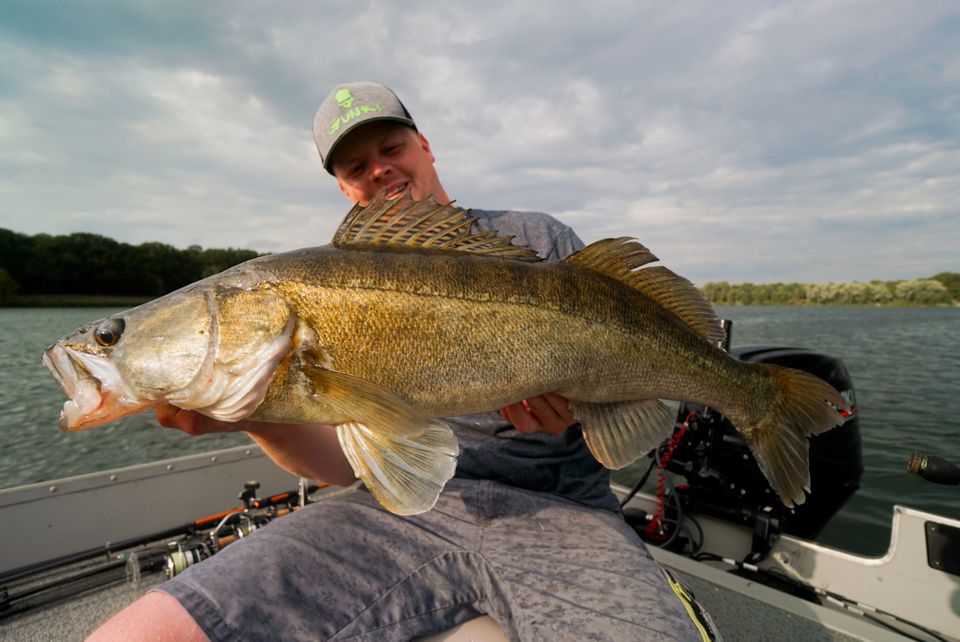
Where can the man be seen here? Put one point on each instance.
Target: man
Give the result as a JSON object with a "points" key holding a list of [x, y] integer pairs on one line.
{"points": [[528, 530]]}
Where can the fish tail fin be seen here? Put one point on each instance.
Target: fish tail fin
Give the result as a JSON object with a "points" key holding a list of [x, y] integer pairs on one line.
{"points": [[803, 405], [404, 473], [619, 433]]}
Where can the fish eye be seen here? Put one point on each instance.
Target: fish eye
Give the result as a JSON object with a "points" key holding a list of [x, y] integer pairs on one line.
{"points": [[109, 332]]}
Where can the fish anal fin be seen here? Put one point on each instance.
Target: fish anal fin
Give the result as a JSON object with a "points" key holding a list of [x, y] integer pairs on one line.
{"points": [[624, 259], [423, 225], [620, 433], [404, 474]]}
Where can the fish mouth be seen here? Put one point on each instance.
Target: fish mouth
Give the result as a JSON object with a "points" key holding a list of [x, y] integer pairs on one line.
{"points": [[96, 394], [396, 190]]}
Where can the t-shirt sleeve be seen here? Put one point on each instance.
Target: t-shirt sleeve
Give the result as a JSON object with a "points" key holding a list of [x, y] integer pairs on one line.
{"points": [[550, 238]]}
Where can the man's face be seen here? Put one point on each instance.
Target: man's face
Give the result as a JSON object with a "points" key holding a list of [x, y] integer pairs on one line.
{"points": [[386, 155]]}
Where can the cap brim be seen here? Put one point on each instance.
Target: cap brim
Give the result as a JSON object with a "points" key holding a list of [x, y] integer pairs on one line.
{"points": [[328, 159]]}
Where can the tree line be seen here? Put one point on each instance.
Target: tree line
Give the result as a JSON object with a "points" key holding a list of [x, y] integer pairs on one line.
{"points": [[941, 289], [90, 264]]}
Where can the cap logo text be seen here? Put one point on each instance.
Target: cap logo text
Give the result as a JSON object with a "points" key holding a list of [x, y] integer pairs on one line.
{"points": [[355, 112]]}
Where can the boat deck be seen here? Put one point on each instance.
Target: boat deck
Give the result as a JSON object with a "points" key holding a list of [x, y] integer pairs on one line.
{"points": [[81, 516], [741, 609]]}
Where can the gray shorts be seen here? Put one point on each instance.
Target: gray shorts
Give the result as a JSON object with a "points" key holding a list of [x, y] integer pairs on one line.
{"points": [[544, 567]]}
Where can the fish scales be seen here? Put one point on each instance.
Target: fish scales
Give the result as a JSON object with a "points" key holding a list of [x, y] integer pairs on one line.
{"points": [[473, 315]]}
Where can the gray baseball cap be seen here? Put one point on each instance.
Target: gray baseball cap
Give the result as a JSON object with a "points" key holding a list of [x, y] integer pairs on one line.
{"points": [[350, 105]]}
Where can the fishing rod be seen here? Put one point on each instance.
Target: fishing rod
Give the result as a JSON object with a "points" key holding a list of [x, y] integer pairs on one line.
{"points": [[934, 469], [55, 580]]}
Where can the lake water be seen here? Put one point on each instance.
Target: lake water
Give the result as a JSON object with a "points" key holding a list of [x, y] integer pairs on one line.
{"points": [[905, 364]]}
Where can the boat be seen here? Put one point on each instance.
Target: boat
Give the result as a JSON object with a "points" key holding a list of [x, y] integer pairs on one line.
{"points": [[76, 550]]}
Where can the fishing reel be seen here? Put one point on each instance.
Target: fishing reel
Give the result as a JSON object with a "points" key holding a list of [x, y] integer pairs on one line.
{"points": [[232, 525], [236, 525], [185, 554]]}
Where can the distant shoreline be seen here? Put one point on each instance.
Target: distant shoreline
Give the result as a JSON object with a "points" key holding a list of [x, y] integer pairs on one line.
{"points": [[107, 301], [894, 304], [74, 301]]}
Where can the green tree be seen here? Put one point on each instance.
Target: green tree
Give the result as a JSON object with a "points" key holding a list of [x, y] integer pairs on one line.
{"points": [[84, 263], [879, 293], [923, 292], [8, 287], [15, 251], [717, 292], [165, 268], [744, 293], [951, 281], [214, 261]]}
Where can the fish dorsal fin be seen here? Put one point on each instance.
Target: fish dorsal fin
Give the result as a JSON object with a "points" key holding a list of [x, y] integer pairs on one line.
{"points": [[623, 259], [423, 224]]}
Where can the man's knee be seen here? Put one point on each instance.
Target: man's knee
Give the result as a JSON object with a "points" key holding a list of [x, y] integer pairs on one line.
{"points": [[155, 616]]}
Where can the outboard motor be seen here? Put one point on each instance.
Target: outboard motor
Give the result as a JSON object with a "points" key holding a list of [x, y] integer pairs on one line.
{"points": [[725, 480]]}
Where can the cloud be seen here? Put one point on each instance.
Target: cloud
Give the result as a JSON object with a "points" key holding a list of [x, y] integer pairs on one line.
{"points": [[744, 141]]}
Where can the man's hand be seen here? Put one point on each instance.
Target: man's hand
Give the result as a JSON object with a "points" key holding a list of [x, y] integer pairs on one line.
{"points": [[308, 450], [548, 412], [193, 423]]}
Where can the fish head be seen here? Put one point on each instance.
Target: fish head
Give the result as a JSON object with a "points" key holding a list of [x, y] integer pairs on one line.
{"points": [[129, 362], [211, 347]]}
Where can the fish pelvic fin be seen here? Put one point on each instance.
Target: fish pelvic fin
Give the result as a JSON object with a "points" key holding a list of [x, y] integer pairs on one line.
{"points": [[620, 433], [404, 474], [622, 259], [422, 225], [804, 405]]}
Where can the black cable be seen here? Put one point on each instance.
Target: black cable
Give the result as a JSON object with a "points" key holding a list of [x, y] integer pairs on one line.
{"points": [[636, 488], [696, 550], [900, 631], [863, 611]]}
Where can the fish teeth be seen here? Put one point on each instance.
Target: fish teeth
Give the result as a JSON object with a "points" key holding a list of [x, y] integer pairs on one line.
{"points": [[59, 364]]}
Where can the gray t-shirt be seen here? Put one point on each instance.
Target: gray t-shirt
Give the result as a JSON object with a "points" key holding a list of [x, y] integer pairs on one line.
{"points": [[491, 448]]}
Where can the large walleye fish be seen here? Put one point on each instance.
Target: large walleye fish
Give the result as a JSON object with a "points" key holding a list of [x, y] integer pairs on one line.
{"points": [[409, 316]]}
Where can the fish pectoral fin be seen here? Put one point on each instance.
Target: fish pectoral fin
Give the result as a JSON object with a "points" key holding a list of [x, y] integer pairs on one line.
{"points": [[402, 457], [404, 474], [620, 433], [356, 399]]}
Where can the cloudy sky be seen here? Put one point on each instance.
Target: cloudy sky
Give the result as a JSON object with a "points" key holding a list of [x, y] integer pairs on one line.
{"points": [[810, 141]]}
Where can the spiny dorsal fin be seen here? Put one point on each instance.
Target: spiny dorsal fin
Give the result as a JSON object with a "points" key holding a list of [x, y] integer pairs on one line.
{"points": [[623, 259], [424, 224]]}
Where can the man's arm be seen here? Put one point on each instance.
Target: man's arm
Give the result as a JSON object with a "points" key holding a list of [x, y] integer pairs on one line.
{"points": [[313, 450], [308, 450]]}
